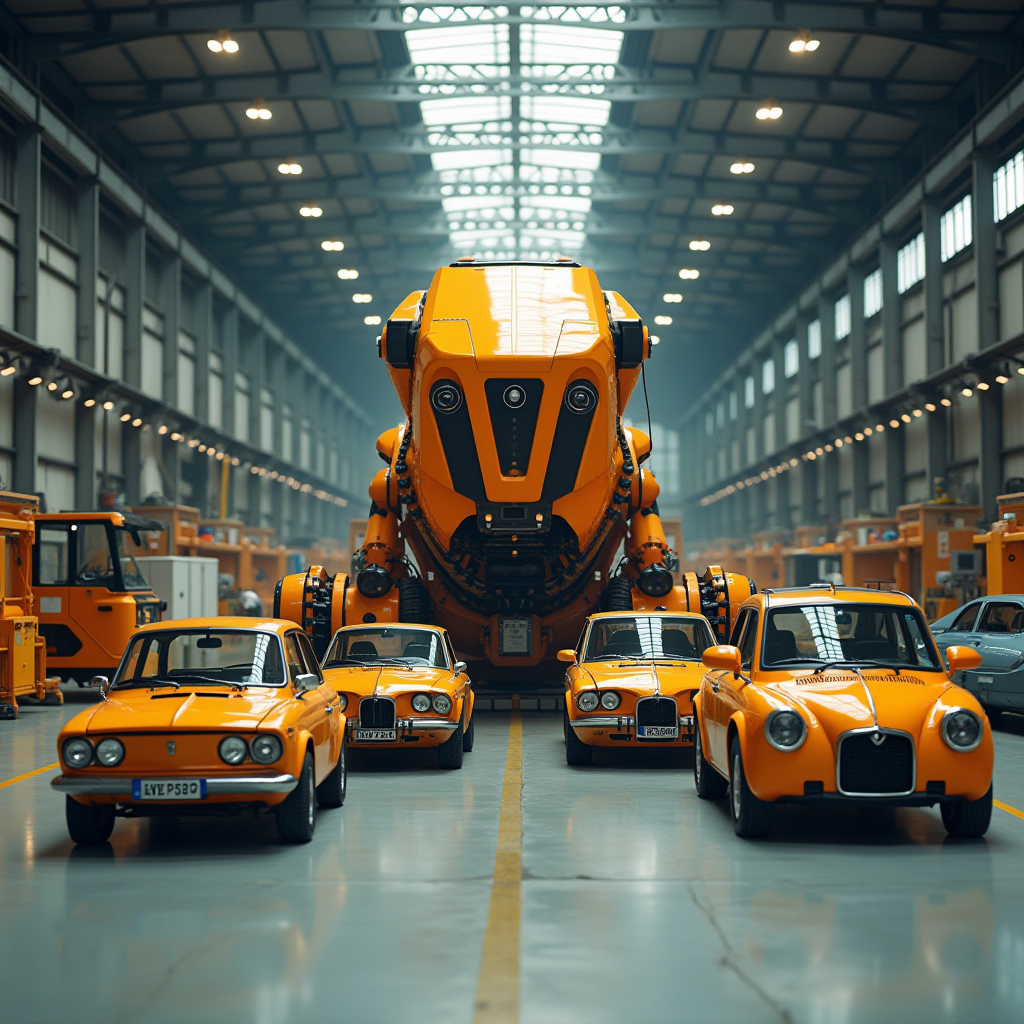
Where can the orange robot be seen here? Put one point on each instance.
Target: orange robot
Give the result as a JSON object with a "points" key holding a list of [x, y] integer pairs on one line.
{"points": [[513, 479]]}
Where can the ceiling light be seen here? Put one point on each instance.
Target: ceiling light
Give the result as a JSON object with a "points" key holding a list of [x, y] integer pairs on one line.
{"points": [[663, 321], [859, 436], [89, 403], [223, 43], [671, 297], [917, 412], [894, 423], [52, 386], [371, 321], [868, 431], [689, 274], [108, 405], [879, 428], [828, 447], [742, 167], [982, 386], [655, 340], [700, 245], [768, 111], [1001, 378], [722, 210], [311, 210], [125, 417], [930, 406], [258, 111], [348, 275], [8, 370], [966, 392], [137, 422], [839, 442], [946, 402], [905, 417], [332, 245], [1020, 370], [68, 392], [803, 43], [362, 297], [289, 166]]}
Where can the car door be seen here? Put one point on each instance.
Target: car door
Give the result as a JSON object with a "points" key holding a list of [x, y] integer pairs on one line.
{"points": [[730, 692], [314, 718], [716, 718], [1000, 628]]}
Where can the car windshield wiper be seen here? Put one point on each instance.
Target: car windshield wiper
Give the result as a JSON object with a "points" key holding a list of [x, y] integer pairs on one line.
{"points": [[215, 682], [794, 661], [153, 682], [853, 663]]}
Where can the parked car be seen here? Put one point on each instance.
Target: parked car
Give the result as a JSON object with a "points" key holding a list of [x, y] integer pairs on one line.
{"points": [[994, 626], [631, 681], [207, 716], [402, 685], [838, 695]]}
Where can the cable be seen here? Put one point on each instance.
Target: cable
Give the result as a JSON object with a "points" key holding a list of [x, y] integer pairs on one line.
{"points": [[643, 377]]}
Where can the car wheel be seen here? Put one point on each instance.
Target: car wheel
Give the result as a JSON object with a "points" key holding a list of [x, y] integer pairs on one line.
{"points": [[577, 753], [449, 753], [968, 819], [296, 817], [331, 792], [708, 783], [88, 824], [751, 817], [469, 735]]}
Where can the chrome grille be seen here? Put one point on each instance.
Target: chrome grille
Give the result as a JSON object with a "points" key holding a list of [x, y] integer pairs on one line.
{"points": [[377, 713], [656, 711], [868, 768]]}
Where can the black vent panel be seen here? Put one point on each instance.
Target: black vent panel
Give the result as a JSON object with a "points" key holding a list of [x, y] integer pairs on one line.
{"points": [[656, 711], [514, 406], [876, 768], [376, 713]]}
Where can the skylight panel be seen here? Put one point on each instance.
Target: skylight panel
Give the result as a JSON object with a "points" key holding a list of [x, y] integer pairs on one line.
{"points": [[569, 204], [461, 159], [561, 44], [479, 44], [562, 158], [458, 204], [565, 110], [465, 110]]}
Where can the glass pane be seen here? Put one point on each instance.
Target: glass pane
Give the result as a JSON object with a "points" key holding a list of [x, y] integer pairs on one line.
{"points": [[377, 644], [656, 636], [1001, 617], [53, 555], [964, 622], [217, 656], [94, 566]]}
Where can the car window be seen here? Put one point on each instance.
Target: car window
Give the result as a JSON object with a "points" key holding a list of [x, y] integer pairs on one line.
{"points": [[374, 645], [293, 655], [661, 637], [308, 656], [964, 622], [737, 629], [746, 644], [1001, 617]]}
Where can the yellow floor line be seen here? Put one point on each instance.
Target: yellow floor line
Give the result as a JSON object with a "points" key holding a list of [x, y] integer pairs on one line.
{"points": [[1008, 809], [29, 775], [497, 995]]}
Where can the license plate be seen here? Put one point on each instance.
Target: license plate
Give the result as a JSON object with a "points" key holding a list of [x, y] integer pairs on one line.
{"points": [[515, 636], [168, 789], [376, 735], [984, 680], [657, 732]]}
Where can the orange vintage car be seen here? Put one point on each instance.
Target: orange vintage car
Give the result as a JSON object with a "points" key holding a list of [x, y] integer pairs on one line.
{"points": [[207, 716], [632, 680], [402, 685], [838, 695]]}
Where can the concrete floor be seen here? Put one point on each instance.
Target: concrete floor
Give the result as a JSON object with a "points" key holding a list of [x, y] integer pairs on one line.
{"points": [[638, 902]]}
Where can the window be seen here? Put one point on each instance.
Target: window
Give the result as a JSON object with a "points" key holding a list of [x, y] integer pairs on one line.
{"points": [[910, 264], [1001, 617], [814, 339], [375, 644], [293, 655], [733, 405], [92, 556], [746, 644], [651, 637], [768, 376], [306, 648], [964, 622], [844, 318], [872, 293], [748, 393], [791, 359], [1008, 187], [52, 556], [956, 231], [709, 424], [720, 414]]}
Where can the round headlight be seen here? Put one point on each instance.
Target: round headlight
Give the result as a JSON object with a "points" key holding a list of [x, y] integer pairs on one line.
{"points": [[655, 581], [446, 397], [109, 752], [785, 730], [581, 397], [610, 700], [77, 753], [421, 702], [587, 700], [442, 703], [374, 581], [342, 702], [266, 749], [962, 729], [233, 749]]}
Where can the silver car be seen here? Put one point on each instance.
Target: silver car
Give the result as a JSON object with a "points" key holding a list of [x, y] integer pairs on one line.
{"points": [[995, 626]]}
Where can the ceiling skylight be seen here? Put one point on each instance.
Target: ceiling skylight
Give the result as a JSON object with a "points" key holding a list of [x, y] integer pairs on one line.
{"points": [[512, 112]]}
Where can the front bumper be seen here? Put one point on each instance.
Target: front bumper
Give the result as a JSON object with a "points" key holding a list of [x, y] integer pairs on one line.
{"points": [[627, 723], [407, 725], [239, 785]]}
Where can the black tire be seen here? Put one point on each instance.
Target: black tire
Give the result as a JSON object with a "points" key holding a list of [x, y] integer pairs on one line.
{"points": [[449, 753], [751, 816], [708, 783], [331, 792], [413, 601], [577, 753], [469, 735], [88, 824], [968, 819], [296, 817], [617, 596], [994, 714]]}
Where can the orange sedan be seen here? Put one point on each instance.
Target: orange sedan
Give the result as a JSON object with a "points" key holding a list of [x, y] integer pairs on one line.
{"points": [[838, 695], [632, 680], [402, 685], [207, 716]]}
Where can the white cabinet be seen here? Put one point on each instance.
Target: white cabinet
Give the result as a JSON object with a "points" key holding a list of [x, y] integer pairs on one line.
{"points": [[188, 585]]}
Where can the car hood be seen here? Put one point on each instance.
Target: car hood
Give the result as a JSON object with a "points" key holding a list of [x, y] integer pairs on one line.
{"points": [[388, 681], [641, 680], [184, 709]]}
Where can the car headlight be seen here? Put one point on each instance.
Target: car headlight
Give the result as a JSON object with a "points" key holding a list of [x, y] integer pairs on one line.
{"points": [[610, 700], [233, 749], [655, 581], [109, 752], [374, 581], [785, 729], [421, 702], [587, 700], [342, 702], [77, 753], [442, 703], [962, 729], [266, 749]]}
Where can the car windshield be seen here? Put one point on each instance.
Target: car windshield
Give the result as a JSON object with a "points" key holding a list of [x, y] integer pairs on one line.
{"points": [[228, 657], [130, 571], [819, 634], [386, 644], [647, 637]]}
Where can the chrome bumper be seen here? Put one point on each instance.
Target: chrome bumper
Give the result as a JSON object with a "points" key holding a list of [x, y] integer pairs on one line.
{"points": [[415, 725], [121, 786], [623, 723]]}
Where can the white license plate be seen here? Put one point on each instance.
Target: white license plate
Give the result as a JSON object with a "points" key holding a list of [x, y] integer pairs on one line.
{"points": [[657, 732], [984, 680], [168, 789], [376, 735]]}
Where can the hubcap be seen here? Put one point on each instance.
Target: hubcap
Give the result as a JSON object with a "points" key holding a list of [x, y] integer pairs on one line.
{"points": [[737, 775], [311, 797], [698, 756]]}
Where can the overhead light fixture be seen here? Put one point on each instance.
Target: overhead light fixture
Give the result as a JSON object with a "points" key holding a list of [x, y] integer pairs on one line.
{"points": [[930, 406], [348, 275], [223, 43], [108, 405], [722, 210], [89, 403], [52, 386], [258, 111], [917, 413], [868, 431], [966, 392], [125, 417], [362, 297], [1020, 370], [311, 210], [332, 245], [689, 274], [859, 436], [768, 111], [982, 386], [671, 297], [1001, 378], [894, 423], [371, 321], [700, 245], [9, 364], [68, 392], [655, 340], [804, 43], [946, 402], [742, 167], [289, 166], [8, 370], [905, 417], [663, 321]]}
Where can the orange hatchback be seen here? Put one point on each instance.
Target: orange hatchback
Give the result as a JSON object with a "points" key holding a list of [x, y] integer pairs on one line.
{"points": [[838, 695], [207, 716]]}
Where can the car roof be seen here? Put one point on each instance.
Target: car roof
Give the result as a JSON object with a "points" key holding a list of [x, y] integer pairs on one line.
{"points": [[222, 622], [637, 614], [828, 594], [390, 625]]}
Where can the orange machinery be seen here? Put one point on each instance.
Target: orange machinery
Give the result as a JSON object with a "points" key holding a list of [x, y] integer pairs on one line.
{"points": [[22, 650], [356, 540], [764, 561], [1003, 547], [812, 558], [674, 539], [870, 546]]}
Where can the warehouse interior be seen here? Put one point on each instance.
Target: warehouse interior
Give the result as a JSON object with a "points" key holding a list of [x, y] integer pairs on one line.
{"points": [[210, 210]]}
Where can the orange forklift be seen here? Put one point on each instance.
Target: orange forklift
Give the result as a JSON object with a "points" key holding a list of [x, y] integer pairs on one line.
{"points": [[92, 596]]}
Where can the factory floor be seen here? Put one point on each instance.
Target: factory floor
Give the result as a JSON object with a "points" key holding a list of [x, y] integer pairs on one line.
{"points": [[634, 901]]}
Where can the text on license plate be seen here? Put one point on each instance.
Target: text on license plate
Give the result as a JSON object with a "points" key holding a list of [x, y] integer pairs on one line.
{"points": [[168, 789], [375, 735], [657, 732]]}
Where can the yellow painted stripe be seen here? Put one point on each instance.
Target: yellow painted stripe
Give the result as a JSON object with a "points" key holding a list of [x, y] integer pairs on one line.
{"points": [[497, 994], [1008, 809], [29, 775]]}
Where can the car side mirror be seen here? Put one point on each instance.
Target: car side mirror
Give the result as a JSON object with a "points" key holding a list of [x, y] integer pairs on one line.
{"points": [[460, 667], [567, 655], [961, 658], [306, 681], [102, 683], [723, 656]]}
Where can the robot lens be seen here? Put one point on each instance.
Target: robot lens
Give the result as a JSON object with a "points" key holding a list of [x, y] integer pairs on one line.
{"points": [[581, 397], [515, 397], [446, 396]]}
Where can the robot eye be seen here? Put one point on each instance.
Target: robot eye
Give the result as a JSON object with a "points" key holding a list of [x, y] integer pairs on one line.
{"points": [[581, 397], [515, 397], [446, 397]]}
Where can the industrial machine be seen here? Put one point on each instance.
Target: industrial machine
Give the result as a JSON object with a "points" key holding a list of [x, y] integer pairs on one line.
{"points": [[513, 480], [1002, 547]]}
